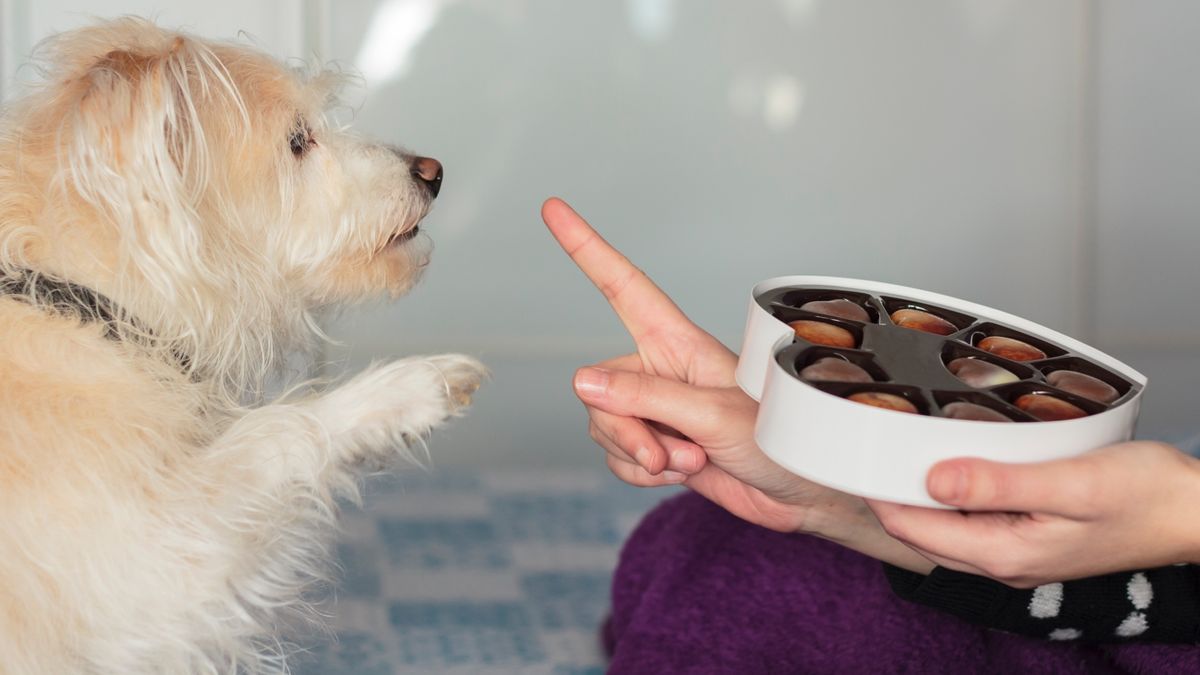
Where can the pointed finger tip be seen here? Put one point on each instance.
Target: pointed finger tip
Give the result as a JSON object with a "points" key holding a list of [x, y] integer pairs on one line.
{"points": [[553, 207]]}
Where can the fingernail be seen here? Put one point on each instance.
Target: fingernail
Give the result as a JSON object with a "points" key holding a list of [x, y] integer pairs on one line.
{"points": [[673, 477], [948, 485], [591, 382], [683, 461]]}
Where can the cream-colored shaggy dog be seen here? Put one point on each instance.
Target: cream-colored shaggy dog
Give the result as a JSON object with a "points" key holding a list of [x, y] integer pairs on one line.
{"points": [[172, 214]]}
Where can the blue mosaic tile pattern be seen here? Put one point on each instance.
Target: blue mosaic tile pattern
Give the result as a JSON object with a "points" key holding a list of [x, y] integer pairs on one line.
{"points": [[461, 572]]}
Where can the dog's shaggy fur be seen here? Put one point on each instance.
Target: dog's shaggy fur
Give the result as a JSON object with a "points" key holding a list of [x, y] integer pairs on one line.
{"points": [[155, 517]]}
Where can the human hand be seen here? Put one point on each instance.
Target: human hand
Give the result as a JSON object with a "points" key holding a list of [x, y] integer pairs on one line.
{"points": [[1124, 507], [667, 344], [701, 425], [718, 422]]}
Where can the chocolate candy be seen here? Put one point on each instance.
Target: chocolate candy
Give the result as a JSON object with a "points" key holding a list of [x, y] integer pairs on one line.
{"points": [[922, 321], [980, 374], [879, 399], [961, 410], [1049, 408], [1083, 385], [841, 308], [821, 333], [1013, 350], [833, 369]]}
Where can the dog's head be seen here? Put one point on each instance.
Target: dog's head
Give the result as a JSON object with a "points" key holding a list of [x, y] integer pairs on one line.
{"points": [[200, 186], [203, 164]]}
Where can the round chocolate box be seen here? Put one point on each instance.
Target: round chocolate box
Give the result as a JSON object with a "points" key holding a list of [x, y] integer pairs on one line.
{"points": [[863, 386]]}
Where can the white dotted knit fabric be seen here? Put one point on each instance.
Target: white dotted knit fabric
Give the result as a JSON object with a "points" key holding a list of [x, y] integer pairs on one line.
{"points": [[1046, 601], [1140, 593], [1066, 634]]}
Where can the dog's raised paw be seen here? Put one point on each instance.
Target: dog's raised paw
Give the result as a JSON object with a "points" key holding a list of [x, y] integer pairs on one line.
{"points": [[463, 376], [407, 398]]}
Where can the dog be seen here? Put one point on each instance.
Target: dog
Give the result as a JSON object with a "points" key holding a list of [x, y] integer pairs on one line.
{"points": [[175, 215]]}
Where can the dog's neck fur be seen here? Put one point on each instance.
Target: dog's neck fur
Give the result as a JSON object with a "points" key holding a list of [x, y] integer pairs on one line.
{"points": [[73, 299]]}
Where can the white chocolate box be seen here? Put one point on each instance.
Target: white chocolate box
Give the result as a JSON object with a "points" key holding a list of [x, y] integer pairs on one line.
{"points": [[885, 454]]}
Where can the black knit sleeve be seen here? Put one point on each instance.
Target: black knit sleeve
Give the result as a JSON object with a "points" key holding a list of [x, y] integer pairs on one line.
{"points": [[1156, 605]]}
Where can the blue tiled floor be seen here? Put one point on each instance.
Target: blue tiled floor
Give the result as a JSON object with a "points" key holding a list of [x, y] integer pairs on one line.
{"points": [[459, 572]]}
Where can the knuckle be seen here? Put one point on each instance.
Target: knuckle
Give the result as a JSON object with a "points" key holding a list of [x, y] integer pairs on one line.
{"points": [[630, 473], [640, 389], [990, 486], [720, 407], [630, 389], [624, 436], [612, 288], [719, 403]]}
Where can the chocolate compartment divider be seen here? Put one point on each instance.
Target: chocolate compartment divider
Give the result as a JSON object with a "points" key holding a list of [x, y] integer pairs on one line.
{"points": [[910, 356]]}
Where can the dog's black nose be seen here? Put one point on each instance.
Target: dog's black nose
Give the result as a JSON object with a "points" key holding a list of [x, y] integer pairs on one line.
{"points": [[429, 171]]}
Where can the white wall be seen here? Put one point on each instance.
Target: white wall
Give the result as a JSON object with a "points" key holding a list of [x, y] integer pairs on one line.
{"points": [[1147, 207], [1035, 156]]}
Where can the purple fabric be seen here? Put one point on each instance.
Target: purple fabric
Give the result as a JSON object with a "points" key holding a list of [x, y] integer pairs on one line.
{"points": [[700, 591]]}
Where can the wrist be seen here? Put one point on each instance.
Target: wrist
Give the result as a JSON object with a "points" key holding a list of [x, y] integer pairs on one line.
{"points": [[841, 518], [849, 522], [1192, 488]]}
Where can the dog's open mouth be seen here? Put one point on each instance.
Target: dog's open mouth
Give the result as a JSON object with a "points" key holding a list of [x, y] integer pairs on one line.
{"points": [[404, 235]]}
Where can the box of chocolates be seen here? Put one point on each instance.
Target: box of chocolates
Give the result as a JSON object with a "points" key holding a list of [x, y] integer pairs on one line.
{"points": [[863, 386]]}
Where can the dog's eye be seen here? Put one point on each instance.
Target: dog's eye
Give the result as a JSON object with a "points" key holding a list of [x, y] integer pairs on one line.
{"points": [[301, 140]]}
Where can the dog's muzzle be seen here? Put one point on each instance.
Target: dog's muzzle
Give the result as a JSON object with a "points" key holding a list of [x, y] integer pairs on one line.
{"points": [[428, 171]]}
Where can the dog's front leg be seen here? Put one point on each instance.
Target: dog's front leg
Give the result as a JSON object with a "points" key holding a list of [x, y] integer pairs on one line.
{"points": [[374, 419], [272, 477]]}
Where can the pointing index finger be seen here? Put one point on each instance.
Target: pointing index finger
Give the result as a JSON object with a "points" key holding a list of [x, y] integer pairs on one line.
{"points": [[637, 301]]}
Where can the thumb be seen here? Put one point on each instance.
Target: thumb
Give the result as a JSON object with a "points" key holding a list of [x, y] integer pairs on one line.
{"points": [[1061, 487], [690, 409]]}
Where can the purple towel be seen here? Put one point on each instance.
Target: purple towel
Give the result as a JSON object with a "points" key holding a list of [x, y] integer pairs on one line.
{"points": [[700, 591]]}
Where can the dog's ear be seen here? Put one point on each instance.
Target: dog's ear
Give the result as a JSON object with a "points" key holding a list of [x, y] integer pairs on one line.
{"points": [[136, 109], [138, 152]]}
